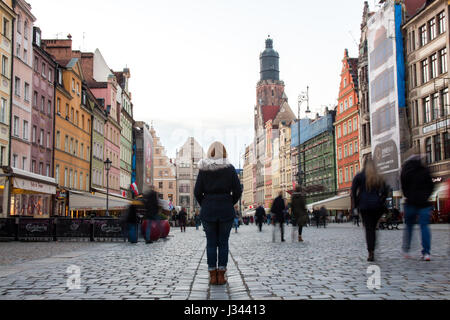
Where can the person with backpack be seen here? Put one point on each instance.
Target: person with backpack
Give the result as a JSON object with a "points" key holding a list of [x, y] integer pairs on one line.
{"points": [[369, 193], [417, 187]]}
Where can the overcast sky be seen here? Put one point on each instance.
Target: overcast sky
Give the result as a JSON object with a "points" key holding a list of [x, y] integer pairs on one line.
{"points": [[195, 64]]}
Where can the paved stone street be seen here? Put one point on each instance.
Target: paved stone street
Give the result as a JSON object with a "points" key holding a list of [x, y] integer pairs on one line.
{"points": [[330, 264]]}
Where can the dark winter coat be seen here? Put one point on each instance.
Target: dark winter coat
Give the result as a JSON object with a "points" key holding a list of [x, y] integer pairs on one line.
{"points": [[417, 184], [278, 208], [182, 216], [151, 205], [361, 196], [260, 214], [217, 190], [298, 207], [132, 214]]}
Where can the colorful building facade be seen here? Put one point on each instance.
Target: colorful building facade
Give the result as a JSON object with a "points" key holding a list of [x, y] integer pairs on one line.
{"points": [[347, 125]]}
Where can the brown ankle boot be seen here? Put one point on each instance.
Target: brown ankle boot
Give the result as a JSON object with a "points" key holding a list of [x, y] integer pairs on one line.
{"points": [[213, 277], [300, 239], [221, 279]]}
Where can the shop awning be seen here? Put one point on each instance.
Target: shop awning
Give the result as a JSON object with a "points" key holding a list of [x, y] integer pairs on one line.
{"points": [[32, 182], [97, 201], [342, 202]]}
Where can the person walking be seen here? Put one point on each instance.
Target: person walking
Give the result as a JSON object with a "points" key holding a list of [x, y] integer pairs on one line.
{"points": [[132, 221], [217, 190], [182, 216], [236, 223], [151, 207], [324, 216], [316, 215], [277, 209], [417, 187], [355, 217], [369, 192], [260, 214], [197, 220], [299, 212]]}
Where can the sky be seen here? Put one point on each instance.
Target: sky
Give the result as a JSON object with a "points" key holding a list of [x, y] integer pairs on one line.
{"points": [[195, 64]]}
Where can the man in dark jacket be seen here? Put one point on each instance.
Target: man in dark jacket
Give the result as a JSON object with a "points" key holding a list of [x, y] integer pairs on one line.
{"points": [[417, 187], [182, 216], [260, 214], [151, 211], [277, 209]]}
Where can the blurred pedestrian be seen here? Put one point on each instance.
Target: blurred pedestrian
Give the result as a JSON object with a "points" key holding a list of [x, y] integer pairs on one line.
{"points": [[355, 216], [369, 192], [269, 218], [260, 214], [182, 218], [151, 207], [323, 216], [417, 187], [316, 215], [299, 212], [132, 221], [197, 220], [277, 209], [217, 190], [236, 223]]}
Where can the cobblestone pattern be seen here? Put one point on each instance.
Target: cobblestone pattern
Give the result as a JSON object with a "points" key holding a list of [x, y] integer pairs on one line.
{"points": [[330, 264]]}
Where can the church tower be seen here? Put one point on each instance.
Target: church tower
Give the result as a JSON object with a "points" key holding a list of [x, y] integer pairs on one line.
{"points": [[270, 90]]}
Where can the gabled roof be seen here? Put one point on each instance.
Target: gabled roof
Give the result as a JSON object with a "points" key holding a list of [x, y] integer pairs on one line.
{"points": [[269, 112]]}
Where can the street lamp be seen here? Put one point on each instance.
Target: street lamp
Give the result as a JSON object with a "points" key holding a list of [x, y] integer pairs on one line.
{"points": [[304, 96], [107, 168]]}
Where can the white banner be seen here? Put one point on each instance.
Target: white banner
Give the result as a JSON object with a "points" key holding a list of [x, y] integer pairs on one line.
{"points": [[37, 187], [384, 105]]}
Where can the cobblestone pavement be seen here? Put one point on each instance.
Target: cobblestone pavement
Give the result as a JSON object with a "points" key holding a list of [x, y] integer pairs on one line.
{"points": [[330, 264]]}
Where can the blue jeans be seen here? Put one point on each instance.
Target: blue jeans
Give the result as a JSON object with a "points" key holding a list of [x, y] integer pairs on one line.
{"points": [[148, 230], [411, 214], [217, 235]]}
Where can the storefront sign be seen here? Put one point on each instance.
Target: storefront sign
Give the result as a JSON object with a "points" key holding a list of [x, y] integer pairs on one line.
{"points": [[108, 228], [34, 186], [436, 126], [73, 228]]}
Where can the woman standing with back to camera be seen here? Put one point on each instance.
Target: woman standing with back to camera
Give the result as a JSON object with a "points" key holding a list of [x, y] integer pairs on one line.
{"points": [[369, 193], [217, 190]]}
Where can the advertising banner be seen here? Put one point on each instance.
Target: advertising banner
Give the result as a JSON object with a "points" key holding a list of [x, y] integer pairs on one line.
{"points": [[73, 228], [148, 159], [32, 229], [386, 74]]}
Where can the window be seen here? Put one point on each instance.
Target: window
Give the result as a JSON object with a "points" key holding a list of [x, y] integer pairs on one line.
{"points": [[160, 185], [14, 162], [73, 85], [340, 153], [355, 123], [71, 114], [346, 175], [41, 168], [441, 23], [25, 29], [24, 163], [345, 105], [425, 71], [35, 99], [49, 107], [349, 126], [87, 181], [71, 178], [341, 107], [340, 176], [4, 66], [351, 173], [67, 111], [75, 184], [350, 102], [50, 74], [81, 181], [65, 177], [25, 55], [432, 29], [6, 28], [76, 118], [443, 61], [71, 146], [33, 166], [57, 173], [345, 128], [447, 145], [435, 106], [17, 86], [345, 151], [43, 73], [76, 148], [3, 110], [58, 106], [87, 154], [34, 134], [445, 108], [78, 88], [16, 126], [60, 79], [41, 138], [48, 140], [47, 170], [434, 66], [42, 104], [427, 109], [25, 130], [356, 147], [428, 150], [437, 148], [82, 151], [58, 142], [66, 144], [423, 35]]}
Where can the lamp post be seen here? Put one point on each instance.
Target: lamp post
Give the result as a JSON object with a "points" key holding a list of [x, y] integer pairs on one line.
{"points": [[304, 96], [107, 168]]}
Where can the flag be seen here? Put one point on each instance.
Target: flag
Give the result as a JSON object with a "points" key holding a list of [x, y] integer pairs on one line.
{"points": [[170, 206], [135, 189]]}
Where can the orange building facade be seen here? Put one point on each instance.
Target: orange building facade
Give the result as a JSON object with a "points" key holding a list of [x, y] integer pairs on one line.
{"points": [[347, 125]]}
